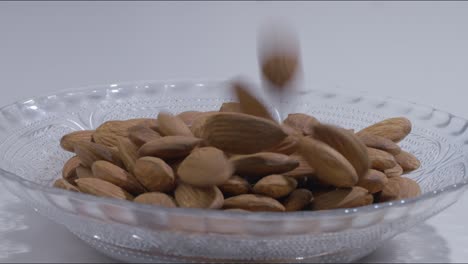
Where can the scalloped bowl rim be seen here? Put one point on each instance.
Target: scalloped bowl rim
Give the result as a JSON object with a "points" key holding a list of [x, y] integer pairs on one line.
{"points": [[206, 213]]}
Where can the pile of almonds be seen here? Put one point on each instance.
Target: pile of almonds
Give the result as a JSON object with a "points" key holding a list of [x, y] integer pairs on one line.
{"points": [[240, 158]]}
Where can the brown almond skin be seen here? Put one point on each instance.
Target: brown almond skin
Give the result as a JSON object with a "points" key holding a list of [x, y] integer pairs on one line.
{"points": [[156, 198], [240, 133], [108, 133], [395, 129], [302, 122], [89, 152], [170, 147], [102, 188], [280, 68], [378, 142], [399, 188], [374, 181], [381, 160], [205, 167], [297, 200], [170, 125], [83, 172], [347, 144], [141, 135], [343, 198], [64, 184], [230, 107], [154, 174], [109, 172], [394, 172], [69, 169], [330, 166], [303, 170], [288, 146], [275, 186], [68, 141], [407, 161], [195, 197], [199, 123], [263, 163], [248, 103], [189, 116], [253, 202], [235, 186], [128, 153]]}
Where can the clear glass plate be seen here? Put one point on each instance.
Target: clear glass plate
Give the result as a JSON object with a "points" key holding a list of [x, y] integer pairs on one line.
{"points": [[30, 131]]}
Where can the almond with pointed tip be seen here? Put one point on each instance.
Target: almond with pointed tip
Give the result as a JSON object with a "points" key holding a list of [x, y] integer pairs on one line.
{"points": [[89, 152], [263, 163], [330, 166], [343, 198], [288, 146], [347, 144], [205, 167], [64, 184], [374, 181], [69, 169], [253, 202], [399, 188], [248, 103], [280, 68], [109, 172], [407, 161], [298, 200], [170, 147], [231, 107], [301, 171], [395, 129], [102, 188], [170, 125], [378, 142], [394, 172], [240, 133], [380, 160], [108, 133], [235, 186], [302, 122], [199, 123], [275, 186], [195, 197], [156, 198], [154, 174], [68, 141], [141, 135], [128, 153]]}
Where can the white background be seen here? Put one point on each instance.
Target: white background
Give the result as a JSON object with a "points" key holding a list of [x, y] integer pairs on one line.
{"points": [[412, 50]]}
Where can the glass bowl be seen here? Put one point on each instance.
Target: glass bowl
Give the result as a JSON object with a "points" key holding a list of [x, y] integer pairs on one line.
{"points": [[30, 131]]}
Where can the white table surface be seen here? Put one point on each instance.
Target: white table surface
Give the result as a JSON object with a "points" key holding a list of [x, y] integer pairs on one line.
{"points": [[412, 50]]}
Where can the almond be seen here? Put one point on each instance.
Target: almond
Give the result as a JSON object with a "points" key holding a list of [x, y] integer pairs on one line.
{"points": [[89, 152], [199, 122], [128, 153], [170, 125], [330, 166], [253, 202], [156, 198], [195, 197], [235, 186], [395, 129], [241, 133], [380, 160], [69, 169], [68, 141], [189, 116], [399, 188], [108, 133], [102, 188], [343, 198], [154, 174], [275, 186], [407, 161], [205, 167], [298, 200], [248, 103], [302, 122], [303, 170], [280, 68], [263, 163], [64, 184], [347, 144], [394, 172], [170, 147], [379, 142], [288, 146], [230, 107], [109, 172], [141, 135], [83, 172], [374, 181]]}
